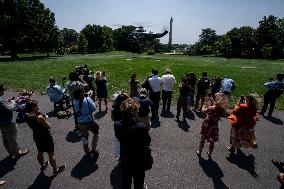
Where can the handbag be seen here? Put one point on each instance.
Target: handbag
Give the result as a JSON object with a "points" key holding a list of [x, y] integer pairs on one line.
{"points": [[148, 159], [94, 127]]}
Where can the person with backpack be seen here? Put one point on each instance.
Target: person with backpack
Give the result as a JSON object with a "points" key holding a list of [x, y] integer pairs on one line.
{"points": [[144, 110], [84, 107], [55, 93], [202, 90], [182, 102], [275, 90]]}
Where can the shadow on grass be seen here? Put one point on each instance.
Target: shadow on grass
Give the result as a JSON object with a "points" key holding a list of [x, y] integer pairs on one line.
{"points": [[115, 177], [85, 167], [212, 170], [243, 161], [30, 58], [42, 181], [273, 120]]}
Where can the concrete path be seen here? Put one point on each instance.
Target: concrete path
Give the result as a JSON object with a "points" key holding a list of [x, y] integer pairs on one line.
{"points": [[175, 162]]}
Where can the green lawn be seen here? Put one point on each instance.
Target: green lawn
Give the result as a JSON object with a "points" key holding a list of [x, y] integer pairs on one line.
{"points": [[32, 72]]}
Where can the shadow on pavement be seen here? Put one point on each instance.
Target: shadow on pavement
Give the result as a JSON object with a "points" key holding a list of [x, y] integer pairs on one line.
{"points": [[42, 181], [183, 125], [100, 114], [73, 137], [273, 120], [85, 167], [7, 165], [201, 114], [115, 177], [167, 114], [51, 114], [243, 161], [212, 170]]}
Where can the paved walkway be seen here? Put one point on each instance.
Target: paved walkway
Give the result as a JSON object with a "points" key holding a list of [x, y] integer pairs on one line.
{"points": [[175, 162]]}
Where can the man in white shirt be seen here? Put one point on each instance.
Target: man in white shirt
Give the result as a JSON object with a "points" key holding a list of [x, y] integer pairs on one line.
{"points": [[155, 83], [168, 83]]}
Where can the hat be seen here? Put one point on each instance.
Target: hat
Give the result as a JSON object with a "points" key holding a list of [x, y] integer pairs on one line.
{"points": [[143, 91], [168, 70], [51, 80]]}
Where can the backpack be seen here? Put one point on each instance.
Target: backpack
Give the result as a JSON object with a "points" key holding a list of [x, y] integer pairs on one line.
{"points": [[203, 83], [147, 85], [144, 108]]}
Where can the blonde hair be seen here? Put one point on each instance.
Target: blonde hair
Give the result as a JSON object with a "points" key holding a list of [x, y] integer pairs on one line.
{"points": [[221, 100], [253, 100]]}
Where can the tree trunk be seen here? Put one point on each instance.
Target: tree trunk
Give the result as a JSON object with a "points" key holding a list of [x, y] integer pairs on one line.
{"points": [[14, 54]]}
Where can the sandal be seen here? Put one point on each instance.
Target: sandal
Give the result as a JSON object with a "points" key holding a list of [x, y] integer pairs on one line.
{"points": [[198, 154], [59, 170], [45, 165], [22, 153]]}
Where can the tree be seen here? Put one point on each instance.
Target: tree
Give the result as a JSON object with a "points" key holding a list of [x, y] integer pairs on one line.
{"points": [[268, 35], [82, 43], [26, 24], [70, 37]]}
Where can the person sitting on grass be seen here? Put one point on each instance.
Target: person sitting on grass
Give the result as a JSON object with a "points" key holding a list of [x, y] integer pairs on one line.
{"points": [[209, 130], [42, 137]]}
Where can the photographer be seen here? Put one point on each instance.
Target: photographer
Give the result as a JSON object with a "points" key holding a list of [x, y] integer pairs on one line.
{"points": [[56, 94], [8, 127], [243, 120], [84, 107], [275, 90]]}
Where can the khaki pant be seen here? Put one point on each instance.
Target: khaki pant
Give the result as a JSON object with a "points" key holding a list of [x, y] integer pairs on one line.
{"points": [[145, 120], [84, 130], [9, 137]]}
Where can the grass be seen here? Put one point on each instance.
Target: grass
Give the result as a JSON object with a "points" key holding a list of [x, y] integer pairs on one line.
{"points": [[31, 72]]}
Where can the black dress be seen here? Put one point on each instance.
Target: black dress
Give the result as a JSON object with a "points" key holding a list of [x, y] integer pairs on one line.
{"points": [[101, 88], [41, 135]]}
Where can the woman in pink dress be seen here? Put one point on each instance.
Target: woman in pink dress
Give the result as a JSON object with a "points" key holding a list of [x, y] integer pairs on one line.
{"points": [[209, 130]]}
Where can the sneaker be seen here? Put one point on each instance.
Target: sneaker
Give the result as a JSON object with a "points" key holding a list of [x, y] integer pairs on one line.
{"points": [[145, 186], [198, 154], [2, 182], [45, 165], [22, 153], [59, 170]]}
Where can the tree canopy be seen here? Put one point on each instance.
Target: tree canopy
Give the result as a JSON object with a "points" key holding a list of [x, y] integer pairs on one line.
{"points": [[27, 24]]}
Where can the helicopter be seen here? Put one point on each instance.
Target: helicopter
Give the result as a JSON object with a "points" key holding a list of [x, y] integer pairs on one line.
{"points": [[141, 33]]}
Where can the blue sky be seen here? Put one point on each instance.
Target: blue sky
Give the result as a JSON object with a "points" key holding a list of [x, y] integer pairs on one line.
{"points": [[190, 16]]}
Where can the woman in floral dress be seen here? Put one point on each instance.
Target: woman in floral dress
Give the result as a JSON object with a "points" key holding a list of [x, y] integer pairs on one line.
{"points": [[209, 130]]}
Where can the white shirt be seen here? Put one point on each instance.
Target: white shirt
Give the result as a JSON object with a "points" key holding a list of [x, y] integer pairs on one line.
{"points": [[168, 81], [155, 83]]}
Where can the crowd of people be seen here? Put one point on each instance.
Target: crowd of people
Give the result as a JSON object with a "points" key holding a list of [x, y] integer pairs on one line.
{"points": [[131, 115]]}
